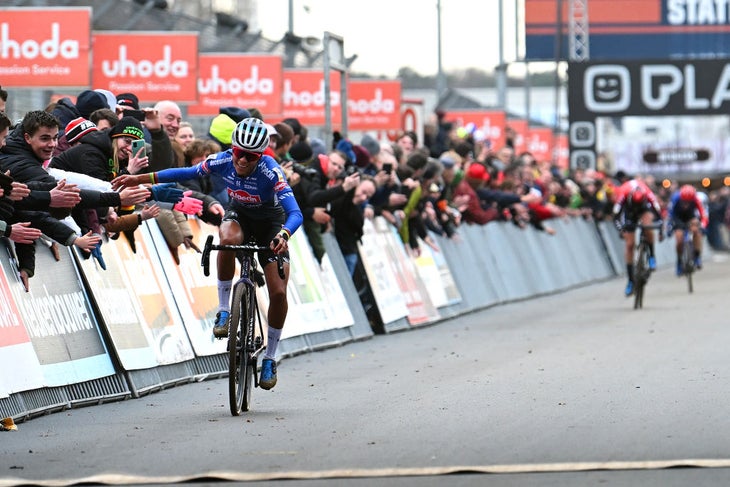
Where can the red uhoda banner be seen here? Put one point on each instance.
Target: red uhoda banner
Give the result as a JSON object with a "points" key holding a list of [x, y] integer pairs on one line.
{"points": [[48, 47], [240, 80], [153, 65]]}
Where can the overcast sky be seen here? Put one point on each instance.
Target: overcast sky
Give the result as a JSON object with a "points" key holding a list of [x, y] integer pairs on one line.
{"points": [[389, 34]]}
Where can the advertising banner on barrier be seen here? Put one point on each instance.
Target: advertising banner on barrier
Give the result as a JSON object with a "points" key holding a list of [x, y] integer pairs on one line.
{"points": [[239, 80], [316, 301], [136, 304], [420, 308], [376, 261], [153, 65], [45, 47], [434, 271], [15, 345], [194, 293], [59, 322]]}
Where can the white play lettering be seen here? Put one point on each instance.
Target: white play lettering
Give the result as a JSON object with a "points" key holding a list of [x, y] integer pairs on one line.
{"points": [[668, 80]]}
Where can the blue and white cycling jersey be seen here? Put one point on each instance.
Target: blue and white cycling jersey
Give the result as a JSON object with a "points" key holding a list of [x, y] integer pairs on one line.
{"points": [[261, 195]]}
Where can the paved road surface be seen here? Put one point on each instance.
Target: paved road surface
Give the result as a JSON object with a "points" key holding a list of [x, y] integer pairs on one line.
{"points": [[577, 384]]}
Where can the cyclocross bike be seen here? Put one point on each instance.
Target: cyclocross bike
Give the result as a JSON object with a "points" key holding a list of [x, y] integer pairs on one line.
{"points": [[641, 264], [245, 328]]}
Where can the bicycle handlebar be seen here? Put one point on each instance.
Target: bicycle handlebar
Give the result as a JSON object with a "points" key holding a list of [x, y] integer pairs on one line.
{"points": [[205, 258]]}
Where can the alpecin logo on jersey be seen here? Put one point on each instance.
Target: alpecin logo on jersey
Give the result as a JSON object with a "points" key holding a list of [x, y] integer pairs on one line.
{"points": [[280, 186], [243, 196]]}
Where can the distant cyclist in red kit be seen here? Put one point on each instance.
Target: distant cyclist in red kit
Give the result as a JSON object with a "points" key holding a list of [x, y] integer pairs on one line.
{"points": [[635, 205]]}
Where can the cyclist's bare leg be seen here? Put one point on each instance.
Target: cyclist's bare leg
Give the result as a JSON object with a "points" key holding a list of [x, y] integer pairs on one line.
{"points": [[278, 305], [630, 241], [276, 286], [647, 219], [229, 233], [678, 237]]}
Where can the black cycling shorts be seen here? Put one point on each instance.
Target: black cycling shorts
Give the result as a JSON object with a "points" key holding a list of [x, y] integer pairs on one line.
{"points": [[260, 231]]}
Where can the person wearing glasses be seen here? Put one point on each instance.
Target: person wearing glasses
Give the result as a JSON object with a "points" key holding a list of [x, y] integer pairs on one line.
{"points": [[261, 205]]}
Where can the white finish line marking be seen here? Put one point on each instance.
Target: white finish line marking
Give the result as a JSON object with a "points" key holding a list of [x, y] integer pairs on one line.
{"points": [[119, 479]]}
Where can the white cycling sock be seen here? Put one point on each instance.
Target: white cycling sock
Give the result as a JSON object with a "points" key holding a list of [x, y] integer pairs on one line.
{"points": [[224, 295], [272, 341]]}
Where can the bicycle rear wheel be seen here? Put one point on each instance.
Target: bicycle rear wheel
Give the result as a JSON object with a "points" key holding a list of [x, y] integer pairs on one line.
{"points": [[641, 276], [688, 263], [240, 369]]}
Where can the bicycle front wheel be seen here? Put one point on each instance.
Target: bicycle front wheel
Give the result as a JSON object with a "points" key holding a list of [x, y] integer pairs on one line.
{"points": [[688, 262], [240, 369], [641, 276]]}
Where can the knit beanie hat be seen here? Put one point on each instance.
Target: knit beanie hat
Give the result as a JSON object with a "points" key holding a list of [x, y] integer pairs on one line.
{"points": [[89, 101], [77, 128], [128, 100], [111, 100], [221, 129], [236, 114], [345, 146], [127, 127], [362, 156], [301, 152], [370, 144]]}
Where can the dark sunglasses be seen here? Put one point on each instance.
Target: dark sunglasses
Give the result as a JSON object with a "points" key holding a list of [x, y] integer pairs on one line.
{"points": [[248, 156]]}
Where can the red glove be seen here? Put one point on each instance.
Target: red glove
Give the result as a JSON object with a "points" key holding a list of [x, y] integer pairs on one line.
{"points": [[188, 205]]}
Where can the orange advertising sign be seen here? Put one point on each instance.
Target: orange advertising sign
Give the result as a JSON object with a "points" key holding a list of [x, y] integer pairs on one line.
{"points": [[303, 97], [490, 123], [519, 127], [561, 152], [44, 46], [540, 141], [153, 65], [240, 80], [373, 104]]}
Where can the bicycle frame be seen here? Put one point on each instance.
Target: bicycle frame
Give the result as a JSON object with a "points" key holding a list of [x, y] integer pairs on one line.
{"points": [[687, 256], [245, 329], [641, 264]]}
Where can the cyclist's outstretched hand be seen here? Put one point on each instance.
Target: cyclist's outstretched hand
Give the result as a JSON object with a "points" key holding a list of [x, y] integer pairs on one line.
{"points": [[280, 243]]}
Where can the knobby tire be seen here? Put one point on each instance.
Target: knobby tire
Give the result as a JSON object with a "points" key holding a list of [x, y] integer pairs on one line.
{"points": [[641, 271], [688, 262], [239, 389]]}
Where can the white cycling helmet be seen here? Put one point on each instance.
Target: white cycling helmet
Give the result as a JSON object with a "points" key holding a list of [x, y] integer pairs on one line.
{"points": [[251, 134]]}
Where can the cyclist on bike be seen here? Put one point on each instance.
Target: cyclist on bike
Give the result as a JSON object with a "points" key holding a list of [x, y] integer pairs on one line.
{"points": [[635, 205], [686, 212], [262, 206]]}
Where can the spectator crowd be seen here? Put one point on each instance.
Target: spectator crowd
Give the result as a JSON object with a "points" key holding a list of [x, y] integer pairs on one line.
{"points": [[58, 161]]}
